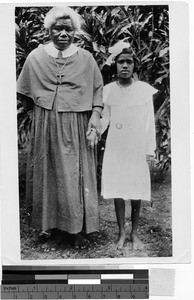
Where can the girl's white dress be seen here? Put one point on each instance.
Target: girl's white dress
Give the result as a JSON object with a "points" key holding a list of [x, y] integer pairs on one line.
{"points": [[129, 112]]}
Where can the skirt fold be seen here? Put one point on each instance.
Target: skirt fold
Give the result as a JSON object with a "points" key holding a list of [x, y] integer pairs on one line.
{"points": [[61, 172]]}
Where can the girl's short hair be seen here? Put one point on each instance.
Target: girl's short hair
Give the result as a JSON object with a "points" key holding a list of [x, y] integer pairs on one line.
{"points": [[126, 51], [58, 12], [109, 71], [131, 53]]}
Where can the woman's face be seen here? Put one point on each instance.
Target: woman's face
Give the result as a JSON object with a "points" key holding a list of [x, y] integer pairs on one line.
{"points": [[62, 33], [125, 66]]}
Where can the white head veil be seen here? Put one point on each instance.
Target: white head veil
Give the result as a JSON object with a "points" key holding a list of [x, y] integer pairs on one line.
{"points": [[115, 50]]}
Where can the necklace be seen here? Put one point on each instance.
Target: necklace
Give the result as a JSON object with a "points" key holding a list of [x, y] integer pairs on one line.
{"points": [[60, 68]]}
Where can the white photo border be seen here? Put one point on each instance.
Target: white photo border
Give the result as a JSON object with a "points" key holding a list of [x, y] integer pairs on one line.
{"points": [[179, 84]]}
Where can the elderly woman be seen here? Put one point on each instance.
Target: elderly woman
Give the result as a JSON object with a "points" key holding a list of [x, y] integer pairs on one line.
{"points": [[65, 85]]}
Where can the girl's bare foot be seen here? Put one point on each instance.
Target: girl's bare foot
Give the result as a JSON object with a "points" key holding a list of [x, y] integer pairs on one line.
{"points": [[121, 241], [137, 244]]}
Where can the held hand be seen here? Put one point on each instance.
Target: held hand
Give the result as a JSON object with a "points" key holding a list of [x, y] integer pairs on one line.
{"points": [[92, 138], [94, 122]]}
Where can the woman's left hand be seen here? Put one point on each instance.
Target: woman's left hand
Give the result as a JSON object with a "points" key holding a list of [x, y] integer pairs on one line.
{"points": [[94, 129], [92, 138], [94, 122]]}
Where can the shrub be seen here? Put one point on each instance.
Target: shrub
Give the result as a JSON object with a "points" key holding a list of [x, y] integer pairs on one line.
{"points": [[145, 27]]}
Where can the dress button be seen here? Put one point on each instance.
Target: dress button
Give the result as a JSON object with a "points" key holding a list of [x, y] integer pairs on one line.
{"points": [[119, 125]]}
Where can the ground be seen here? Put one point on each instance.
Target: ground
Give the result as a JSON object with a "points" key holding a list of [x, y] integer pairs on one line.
{"points": [[154, 227]]}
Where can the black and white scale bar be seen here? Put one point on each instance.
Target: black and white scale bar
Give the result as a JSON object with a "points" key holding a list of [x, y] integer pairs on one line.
{"points": [[17, 276], [53, 283]]}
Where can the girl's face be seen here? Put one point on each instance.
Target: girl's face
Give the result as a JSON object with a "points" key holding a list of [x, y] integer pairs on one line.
{"points": [[125, 66], [62, 33]]}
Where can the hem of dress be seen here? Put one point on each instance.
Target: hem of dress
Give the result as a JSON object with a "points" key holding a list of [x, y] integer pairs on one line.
{"points": [[110, 197], [91, 229]]}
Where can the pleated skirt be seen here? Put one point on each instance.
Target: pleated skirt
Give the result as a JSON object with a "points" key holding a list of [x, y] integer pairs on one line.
{"points": [[61, 185]]}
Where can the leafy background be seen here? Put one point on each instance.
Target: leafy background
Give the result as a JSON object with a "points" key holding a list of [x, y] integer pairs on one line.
{"points": [[146, 28]]}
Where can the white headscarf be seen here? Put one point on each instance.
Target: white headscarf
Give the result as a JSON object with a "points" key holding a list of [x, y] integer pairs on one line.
{"points": [[115, 50]]}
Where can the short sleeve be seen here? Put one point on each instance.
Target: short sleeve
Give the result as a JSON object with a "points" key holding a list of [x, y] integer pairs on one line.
{"points": [[147, 91], [150, 127], [24, 86]]}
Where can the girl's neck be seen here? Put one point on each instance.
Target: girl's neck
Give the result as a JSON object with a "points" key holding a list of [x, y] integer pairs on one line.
{"points": [[125, 81]]}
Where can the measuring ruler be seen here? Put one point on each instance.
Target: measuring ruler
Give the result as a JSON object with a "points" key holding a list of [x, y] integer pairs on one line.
{"points": [[61, 283]]}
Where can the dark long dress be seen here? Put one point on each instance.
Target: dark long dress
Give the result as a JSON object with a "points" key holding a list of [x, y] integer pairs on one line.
{"points": [[61, 172]]}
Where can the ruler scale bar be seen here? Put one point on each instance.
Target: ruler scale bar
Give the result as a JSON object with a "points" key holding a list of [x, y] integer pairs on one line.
{"points": [[76, 295], [79, 292], [50, 283]]}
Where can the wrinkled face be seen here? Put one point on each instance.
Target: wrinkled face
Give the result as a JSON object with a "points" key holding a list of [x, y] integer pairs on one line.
{"points": [[62, 33], [125, 66]]}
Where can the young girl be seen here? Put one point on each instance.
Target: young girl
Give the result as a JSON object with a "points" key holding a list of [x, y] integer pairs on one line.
{"points": [[130, 144]]}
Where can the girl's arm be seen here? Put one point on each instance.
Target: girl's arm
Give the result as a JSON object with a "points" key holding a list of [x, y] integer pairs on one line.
{"points": [[105, 120], [150, 129], [106, 113]]}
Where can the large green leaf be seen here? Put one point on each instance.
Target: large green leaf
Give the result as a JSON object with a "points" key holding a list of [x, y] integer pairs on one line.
{"points": [[145, 27]]}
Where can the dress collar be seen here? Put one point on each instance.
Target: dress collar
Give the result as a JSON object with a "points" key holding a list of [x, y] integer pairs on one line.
{"points": [[52, 51], [125, 87]]}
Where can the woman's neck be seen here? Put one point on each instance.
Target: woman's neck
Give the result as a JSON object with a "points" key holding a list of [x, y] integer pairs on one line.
{"points": [[125, 81], [61, 49]]}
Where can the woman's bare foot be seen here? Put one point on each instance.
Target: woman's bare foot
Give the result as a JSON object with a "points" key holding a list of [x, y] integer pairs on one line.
{"points": [[137, 244], [121, 241], [52, 239]]}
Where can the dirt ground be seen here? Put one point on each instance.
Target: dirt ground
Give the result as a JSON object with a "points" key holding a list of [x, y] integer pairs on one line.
{"points": [[154, 228]]}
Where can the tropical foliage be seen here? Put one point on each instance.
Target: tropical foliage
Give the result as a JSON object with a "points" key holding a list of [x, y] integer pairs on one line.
{"points": [[145, 27]]}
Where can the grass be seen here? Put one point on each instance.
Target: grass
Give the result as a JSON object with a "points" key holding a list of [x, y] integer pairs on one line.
{"points": [[154, 228]]}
